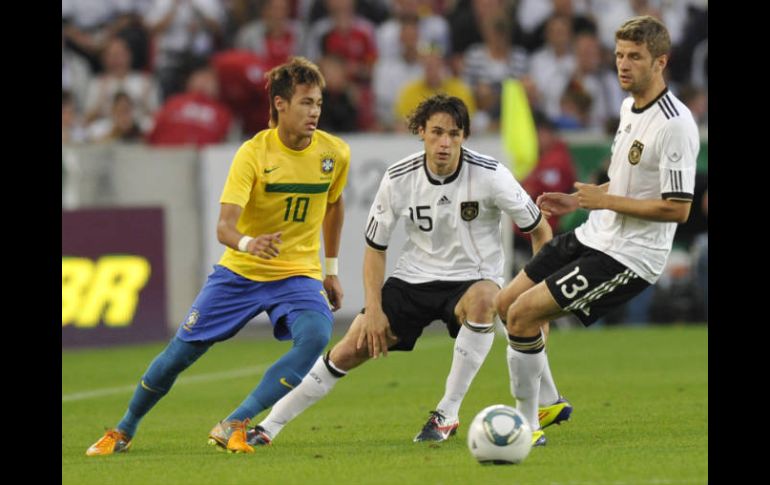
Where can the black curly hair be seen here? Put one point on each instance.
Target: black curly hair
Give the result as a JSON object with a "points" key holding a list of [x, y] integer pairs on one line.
{"points": [[440, 103]]}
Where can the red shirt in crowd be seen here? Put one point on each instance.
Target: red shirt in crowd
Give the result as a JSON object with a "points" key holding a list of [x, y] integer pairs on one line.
{"points": [[555, 172], [190, 119]]}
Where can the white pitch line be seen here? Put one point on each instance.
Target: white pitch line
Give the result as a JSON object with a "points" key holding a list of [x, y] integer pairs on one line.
{"points": [[212, 376]]}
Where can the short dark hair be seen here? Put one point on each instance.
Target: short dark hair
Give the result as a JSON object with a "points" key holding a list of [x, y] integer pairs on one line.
{"points": [[281, 81], [440, 103], [648, 30]]}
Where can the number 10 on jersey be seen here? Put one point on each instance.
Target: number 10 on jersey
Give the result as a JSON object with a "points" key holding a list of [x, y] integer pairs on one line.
{"points": [[300, 205]]}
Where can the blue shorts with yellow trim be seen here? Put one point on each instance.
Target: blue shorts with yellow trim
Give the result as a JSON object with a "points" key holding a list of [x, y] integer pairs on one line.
{"points": [[228, 301]]}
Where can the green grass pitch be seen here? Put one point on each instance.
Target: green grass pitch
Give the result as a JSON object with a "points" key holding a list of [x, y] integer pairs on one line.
{"points": [[640, 397]]}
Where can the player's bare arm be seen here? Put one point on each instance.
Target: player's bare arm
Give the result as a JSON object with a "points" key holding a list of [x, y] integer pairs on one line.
{"points": [[594, 197], [541, 234], [374, 332], [556, 203], [559, 203], [264, 245], [332, 233]]}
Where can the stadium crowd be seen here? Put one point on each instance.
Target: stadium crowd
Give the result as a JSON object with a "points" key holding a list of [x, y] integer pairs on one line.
{"points": [[171, 72], [191, 72]]}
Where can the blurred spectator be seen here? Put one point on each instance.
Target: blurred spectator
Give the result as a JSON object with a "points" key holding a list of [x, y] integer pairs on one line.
{"points": [[87, 25], [675, 296], [696, 100], [532, 13], [118, 77], [241, 78], [375, 11], [350, 37], [237, 14], [554, 172], [436, 79], [347, 35], [194, 117], [553, 65], [610, 14], [487, 65], [181, 30], [72, 130], [75, 75], [339, 113], [136, 35], [275, 37], [121, 126], [579, 23], [392, 73], [700, 253], [689, 56], [555, 169], [598, 81], [574, 108], [465, 22], [432, 28], [699, 71]]}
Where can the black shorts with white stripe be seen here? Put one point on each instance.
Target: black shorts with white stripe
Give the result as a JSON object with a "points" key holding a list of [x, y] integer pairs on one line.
{"points": [[582, 280]]}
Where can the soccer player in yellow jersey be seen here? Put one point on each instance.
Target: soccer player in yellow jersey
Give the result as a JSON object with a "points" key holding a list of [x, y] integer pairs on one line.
{"points": [[284, 185]]}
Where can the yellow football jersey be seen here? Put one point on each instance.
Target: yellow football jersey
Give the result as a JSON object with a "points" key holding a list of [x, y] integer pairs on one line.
{"points": [[285, 190]]}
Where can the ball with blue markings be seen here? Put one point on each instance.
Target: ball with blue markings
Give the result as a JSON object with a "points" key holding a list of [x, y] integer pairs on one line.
{"points": [[499, 435]]}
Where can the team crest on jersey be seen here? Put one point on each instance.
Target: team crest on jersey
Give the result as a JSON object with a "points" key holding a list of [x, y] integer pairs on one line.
{"points": [[635, 153], [469, 210], [327, 163], [192, 319]]}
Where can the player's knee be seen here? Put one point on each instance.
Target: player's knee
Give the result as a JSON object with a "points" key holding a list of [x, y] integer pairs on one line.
{"points": [[483, 307], [480, 307], [312, 331], [314, 340], [519, 317]]}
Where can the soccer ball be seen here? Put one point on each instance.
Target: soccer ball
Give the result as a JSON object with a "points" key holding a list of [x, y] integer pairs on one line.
{"points": [[499, 435]]}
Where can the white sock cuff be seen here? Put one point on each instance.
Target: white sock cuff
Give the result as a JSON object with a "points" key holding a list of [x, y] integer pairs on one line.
{"points": [[333, 369]]}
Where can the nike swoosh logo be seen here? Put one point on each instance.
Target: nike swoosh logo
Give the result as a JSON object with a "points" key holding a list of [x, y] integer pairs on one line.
{"points": [[268, 170], [148, 387], [283, 382]]}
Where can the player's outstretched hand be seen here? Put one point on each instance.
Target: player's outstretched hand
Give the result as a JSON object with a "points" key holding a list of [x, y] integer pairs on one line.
{"points": [[334, 292], [590, 196], [374, 333], [265, 246], [556, 203]]}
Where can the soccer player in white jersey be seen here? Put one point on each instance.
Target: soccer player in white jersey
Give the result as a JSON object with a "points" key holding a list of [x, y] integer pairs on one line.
{"points": [[450, 268], [623, 246]]}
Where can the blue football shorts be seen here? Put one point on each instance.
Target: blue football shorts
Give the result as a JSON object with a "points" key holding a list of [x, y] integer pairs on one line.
{"points": [[228, 301]]}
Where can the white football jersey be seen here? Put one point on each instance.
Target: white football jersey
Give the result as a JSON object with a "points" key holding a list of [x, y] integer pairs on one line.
{"points": [[453, 227], [653, 156]]}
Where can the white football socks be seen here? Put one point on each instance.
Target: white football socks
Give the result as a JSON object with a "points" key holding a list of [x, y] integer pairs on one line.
{"points": [[315, 385], [548, 392], [470, 350], [525, 371]]}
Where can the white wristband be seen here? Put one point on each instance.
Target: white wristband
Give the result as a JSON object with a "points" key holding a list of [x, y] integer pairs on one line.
{"points": [[243, 244], [331, 267]]}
